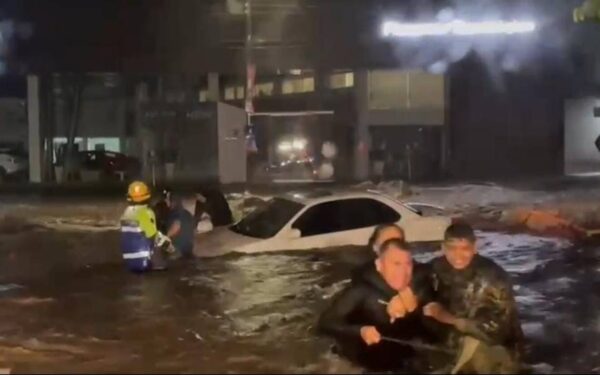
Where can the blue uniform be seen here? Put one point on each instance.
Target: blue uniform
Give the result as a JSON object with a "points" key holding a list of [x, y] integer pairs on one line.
{"points": [[138, 230]]}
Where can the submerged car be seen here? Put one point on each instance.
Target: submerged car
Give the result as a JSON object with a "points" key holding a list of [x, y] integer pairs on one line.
{"points": [[300, 222]]}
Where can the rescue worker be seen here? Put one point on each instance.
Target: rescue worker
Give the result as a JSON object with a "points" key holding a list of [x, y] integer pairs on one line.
{"points": [[181, 226], [144, 247], [358, 316], [474, 299]]}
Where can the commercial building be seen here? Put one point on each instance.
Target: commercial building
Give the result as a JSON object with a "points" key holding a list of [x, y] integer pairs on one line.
{"points": [[427, 108]]}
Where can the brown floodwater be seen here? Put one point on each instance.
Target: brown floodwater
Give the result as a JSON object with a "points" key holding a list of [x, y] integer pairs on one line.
{"points": [[256, 313]]}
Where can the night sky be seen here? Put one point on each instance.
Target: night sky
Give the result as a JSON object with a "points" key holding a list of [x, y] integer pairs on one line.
{"points": [[151, 36]]}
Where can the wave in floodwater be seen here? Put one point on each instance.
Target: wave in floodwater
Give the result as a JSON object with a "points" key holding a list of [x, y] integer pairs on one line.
{"points": [[252, 313]]}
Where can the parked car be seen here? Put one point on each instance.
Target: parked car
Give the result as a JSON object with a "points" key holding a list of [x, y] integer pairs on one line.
{"points": [[299, 222], [108, 163], [292, 171], [13, 164]]}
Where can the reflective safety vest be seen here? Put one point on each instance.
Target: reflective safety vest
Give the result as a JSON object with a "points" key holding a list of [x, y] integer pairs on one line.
{"points": [[138, 229]]}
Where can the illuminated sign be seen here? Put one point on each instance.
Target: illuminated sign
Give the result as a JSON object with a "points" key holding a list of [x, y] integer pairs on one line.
{"points": [[456, 27]]}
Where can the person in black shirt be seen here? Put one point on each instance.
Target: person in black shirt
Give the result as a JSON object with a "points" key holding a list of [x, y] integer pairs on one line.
{"points": [[358, 316], [162, 210], [213, 203]]}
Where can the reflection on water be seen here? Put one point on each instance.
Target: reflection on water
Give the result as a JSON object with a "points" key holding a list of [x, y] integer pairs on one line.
{"points": [[256, 313]]}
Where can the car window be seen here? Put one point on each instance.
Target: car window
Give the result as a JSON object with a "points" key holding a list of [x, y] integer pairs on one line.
{"points": [[267, 221], [320, 219], [366, 212], [342, 215]]}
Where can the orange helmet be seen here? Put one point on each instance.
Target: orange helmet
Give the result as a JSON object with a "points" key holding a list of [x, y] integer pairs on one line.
{"points": [[138, 192]]}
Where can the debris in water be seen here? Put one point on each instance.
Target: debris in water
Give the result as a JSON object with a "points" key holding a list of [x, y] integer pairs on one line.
{"points": [[7, 287], [196, 335]]}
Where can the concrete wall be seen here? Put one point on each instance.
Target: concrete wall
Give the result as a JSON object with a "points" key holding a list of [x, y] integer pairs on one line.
{"points": [[231, 125], [416, 116], [361, 135], [195, 135], [581, 131]]}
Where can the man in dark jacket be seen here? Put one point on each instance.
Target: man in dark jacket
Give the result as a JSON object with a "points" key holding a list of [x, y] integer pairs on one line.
{"points": [[358, 316], [180, 226], [162, 210], [214, 203], [475, 301]]}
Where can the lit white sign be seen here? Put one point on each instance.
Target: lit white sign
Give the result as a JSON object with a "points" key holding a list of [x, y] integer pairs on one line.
{"points": [[456, 27]]}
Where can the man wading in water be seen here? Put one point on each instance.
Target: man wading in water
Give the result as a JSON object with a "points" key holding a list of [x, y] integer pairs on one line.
{"points": [[474, 302], [359, 319]]}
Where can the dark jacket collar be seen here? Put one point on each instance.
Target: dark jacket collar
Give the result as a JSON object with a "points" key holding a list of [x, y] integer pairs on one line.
{"points": [[443, 265], [368, 275]]}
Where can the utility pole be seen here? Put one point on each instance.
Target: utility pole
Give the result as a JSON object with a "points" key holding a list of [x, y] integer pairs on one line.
{"points": [[250, 67]]}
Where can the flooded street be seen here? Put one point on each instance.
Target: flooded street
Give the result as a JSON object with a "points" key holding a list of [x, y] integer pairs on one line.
{"points": [[256, 313]]}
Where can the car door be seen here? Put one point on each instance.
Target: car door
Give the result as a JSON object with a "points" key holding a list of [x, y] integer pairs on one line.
{"points": [[341, 223]]}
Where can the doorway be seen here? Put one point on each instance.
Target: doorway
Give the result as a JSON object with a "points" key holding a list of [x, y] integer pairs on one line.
{"points": [[411, 153]]}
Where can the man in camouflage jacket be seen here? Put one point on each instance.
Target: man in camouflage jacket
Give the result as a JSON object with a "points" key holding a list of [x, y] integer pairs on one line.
{"points": [[475, 301]]}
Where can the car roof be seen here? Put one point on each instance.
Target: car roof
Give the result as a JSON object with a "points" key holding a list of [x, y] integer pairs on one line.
{"points": [[321, 196]]}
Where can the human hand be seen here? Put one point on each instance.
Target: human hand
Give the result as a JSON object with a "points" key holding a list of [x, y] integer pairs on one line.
{"points": [[409, 299], [370, 335], [436, 311], [396, 309]]}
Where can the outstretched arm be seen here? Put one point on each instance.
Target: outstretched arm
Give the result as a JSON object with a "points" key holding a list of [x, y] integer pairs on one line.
{"points": [[491, 318], [491, 321]]}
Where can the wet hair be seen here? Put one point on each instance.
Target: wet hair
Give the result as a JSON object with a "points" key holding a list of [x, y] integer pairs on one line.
{"points": [[393, 243], [377, 232], [460, 231]]}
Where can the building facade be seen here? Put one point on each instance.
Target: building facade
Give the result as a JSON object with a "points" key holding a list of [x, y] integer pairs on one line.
{"points": [[421, 109]]}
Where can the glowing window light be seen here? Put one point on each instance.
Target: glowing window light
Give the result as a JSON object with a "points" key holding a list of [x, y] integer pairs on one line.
{"points": [[456, 27], [285, 147], [299, 144]]}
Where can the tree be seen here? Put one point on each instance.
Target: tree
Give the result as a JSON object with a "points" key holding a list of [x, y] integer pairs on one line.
{"points": [[588, 11]]}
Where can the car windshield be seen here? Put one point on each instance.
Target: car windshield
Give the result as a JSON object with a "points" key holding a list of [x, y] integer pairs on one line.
{"points": [[266, 221]]}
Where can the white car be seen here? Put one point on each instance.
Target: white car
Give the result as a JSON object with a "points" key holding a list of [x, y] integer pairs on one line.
{"points": [[300, 222], [11, 163]]}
